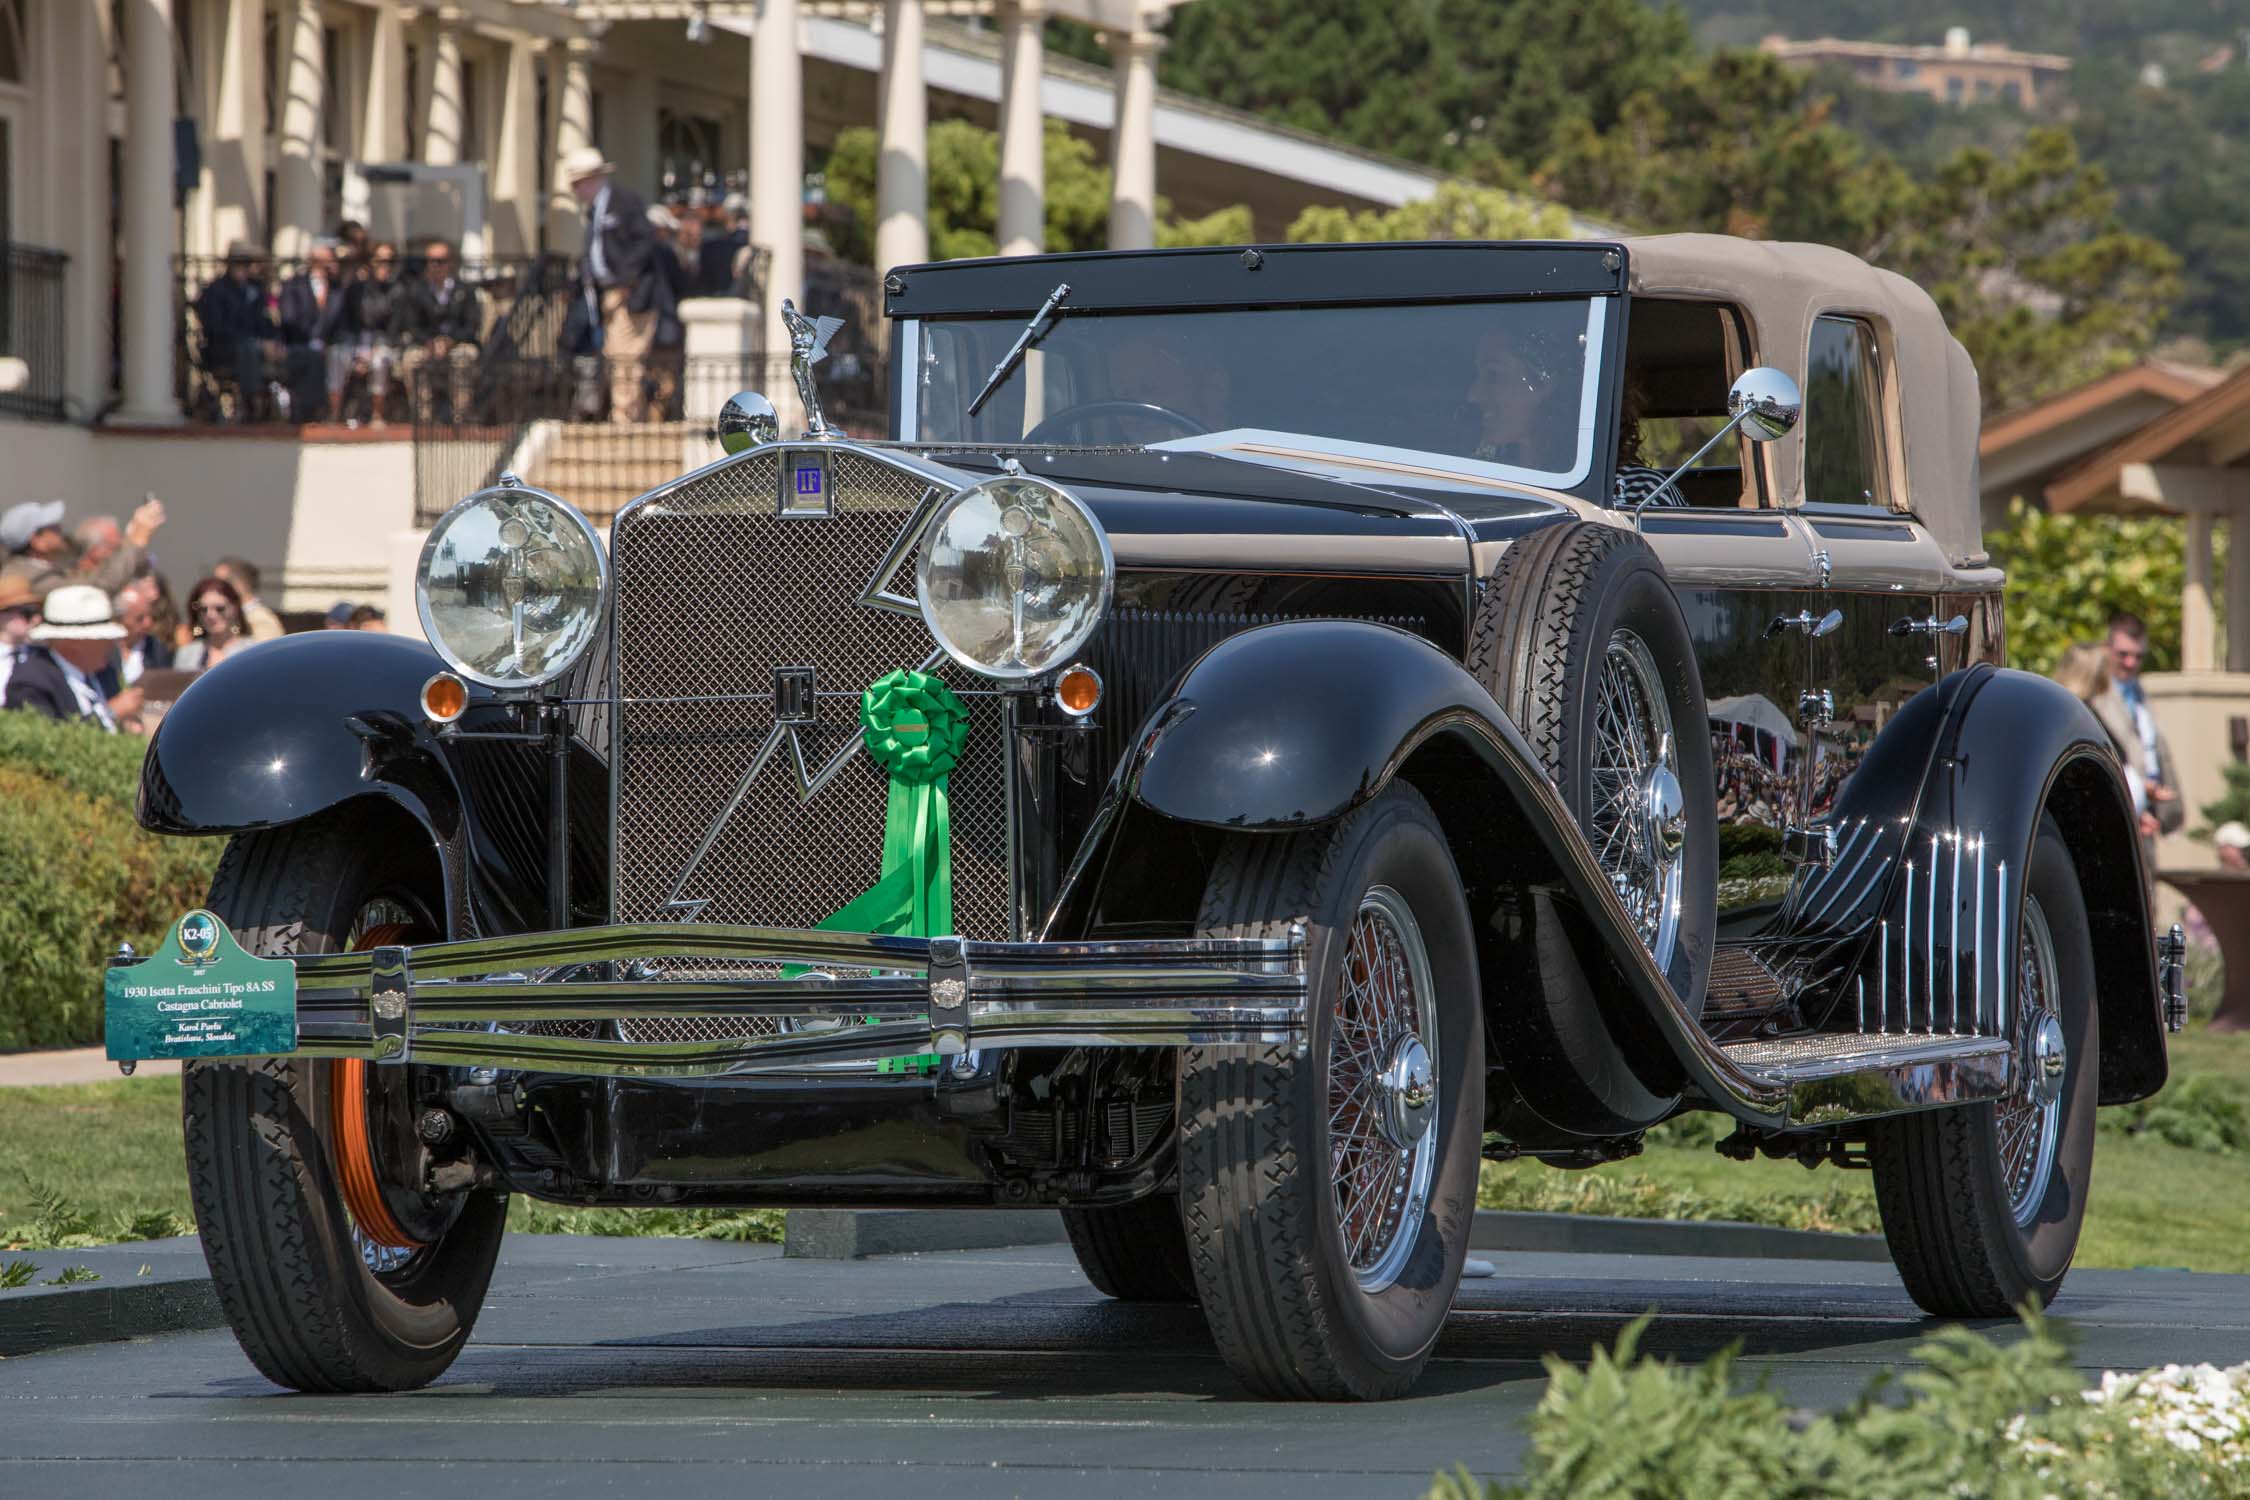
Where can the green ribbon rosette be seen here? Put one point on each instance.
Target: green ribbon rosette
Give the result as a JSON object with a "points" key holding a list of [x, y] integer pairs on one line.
{"points": [[915, 727]]}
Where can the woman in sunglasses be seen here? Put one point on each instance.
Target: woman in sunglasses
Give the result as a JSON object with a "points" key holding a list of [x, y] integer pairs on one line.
{"points": [[215, 611]]}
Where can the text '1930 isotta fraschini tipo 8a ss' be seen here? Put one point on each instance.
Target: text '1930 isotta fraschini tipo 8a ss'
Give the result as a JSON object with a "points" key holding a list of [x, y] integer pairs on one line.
{"points": [[1271, 729]]}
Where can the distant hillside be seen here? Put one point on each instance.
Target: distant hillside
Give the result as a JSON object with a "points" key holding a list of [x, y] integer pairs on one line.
{"points": [[2082, 28]]}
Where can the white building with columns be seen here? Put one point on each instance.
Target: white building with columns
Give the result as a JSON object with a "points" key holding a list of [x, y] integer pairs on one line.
{"points": [[139, 135]]}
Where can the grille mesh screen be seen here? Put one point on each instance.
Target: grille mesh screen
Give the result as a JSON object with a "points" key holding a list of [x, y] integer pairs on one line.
{"points": [[714, 590]]}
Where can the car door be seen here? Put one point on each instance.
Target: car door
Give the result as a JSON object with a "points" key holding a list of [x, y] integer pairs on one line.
{"points": [[1884, 570], [1747, 583]]}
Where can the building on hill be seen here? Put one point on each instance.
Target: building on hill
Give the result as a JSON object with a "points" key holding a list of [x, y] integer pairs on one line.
{"points": [[1959, 72]]}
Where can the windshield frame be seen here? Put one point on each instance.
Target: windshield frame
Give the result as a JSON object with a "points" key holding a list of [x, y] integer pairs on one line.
{"points": [[1590, 475]]}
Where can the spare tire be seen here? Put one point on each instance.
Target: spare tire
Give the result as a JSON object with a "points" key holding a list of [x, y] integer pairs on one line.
{"points": [[1580, 639]]}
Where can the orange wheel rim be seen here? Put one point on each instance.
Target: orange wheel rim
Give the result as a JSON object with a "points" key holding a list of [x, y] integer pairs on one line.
{"points": [[354, 1145]]}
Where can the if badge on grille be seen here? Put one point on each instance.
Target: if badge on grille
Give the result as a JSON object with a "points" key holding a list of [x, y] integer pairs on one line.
{"points": [[805, 489], [793, 696]]}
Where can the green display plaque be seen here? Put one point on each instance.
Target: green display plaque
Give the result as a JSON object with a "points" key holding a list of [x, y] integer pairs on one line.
{"points": [[199, 995]]}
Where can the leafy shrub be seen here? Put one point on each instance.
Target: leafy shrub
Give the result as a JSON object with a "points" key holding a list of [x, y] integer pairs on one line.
{"points": [[744, 1226], [1978, 1418], [83, 876], [2067, 573], [58, 1224], [2204, 1112]]}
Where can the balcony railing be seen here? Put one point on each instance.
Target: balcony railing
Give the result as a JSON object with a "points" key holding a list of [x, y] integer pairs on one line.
{"points": [[31, 330]]}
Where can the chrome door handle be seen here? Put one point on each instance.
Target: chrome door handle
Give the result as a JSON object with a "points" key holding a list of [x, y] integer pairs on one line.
{"points": [[1816, 709], [1958, 625], [1805, 620]]}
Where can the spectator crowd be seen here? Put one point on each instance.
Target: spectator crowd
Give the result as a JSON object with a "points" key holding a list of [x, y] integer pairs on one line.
{"points": [[91, 630], [363, 331]]}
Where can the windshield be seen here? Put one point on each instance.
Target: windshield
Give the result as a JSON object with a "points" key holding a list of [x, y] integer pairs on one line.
{"points": [[1500, 389]]}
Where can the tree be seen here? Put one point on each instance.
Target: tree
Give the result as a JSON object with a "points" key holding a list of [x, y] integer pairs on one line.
{"points": [[2035, 273], [964, 196], [2068, 573], [1457, 211], [1474, 86]]}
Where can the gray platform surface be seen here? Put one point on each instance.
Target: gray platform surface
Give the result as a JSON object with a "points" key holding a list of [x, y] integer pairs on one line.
{"points": [[688, 1368]]}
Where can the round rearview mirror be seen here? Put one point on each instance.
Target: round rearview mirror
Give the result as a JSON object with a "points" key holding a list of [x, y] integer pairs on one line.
{"points": [[1767, 402], [747, 421]]}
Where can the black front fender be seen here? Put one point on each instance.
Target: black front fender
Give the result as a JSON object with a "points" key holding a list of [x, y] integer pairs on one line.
{"points": [[292, 728], [1293, 725]]}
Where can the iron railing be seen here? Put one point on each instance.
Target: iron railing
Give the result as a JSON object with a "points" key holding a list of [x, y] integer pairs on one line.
{"points": [[31, 330], [253, 364]]}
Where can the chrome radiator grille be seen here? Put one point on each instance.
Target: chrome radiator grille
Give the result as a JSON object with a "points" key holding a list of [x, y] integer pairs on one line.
{"points": [[715, 591]]}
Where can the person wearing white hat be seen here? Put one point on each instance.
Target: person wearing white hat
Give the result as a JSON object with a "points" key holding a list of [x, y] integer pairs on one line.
{"points": [[43, 557], [68, 648], [2233, 842], [620, 277]]}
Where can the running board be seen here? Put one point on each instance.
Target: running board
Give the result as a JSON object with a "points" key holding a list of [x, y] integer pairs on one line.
{"points": [[1826, 1078]]}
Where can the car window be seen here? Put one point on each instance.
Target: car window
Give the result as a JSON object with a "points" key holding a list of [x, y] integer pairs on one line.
{"points": [[1680, 357], [1843, 416]]}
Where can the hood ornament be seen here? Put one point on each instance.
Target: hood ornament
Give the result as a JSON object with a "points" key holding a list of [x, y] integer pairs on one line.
{"points": [[808, 346]]}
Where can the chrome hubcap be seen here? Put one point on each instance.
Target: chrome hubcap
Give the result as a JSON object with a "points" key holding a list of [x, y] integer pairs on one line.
{"points": [[1408, 1088], [2049, 1061], [2028, 1121], [1638, 819], [1383, 1089]]}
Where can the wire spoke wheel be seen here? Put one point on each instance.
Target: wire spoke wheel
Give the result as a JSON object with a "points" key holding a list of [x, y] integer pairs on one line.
{"points": [[1634, 773], [1382, 1088], [2026, 1122], [385, 1248]]}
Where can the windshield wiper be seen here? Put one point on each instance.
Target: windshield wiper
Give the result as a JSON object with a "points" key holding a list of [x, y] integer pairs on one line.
{"points": [[1050, 312]]}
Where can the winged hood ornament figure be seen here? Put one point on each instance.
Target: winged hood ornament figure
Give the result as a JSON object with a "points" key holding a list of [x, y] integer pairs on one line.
{"points": [[808, 346]]}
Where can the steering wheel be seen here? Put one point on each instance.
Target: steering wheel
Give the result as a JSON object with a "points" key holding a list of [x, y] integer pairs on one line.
{"points": [[1091, 411]]}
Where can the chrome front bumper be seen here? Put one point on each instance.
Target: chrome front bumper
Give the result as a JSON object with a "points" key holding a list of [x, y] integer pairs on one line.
{"points": [[443, 1002]]}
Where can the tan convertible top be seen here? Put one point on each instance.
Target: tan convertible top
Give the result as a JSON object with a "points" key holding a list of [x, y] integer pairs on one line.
{"points": [[1929, 384]]}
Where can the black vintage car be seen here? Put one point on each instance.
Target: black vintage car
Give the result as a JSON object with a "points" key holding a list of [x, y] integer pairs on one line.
{"points": [[1270, 731]]}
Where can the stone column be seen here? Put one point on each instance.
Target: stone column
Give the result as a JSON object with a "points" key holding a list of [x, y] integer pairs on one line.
{"points": [[1023, 172], [2238, 588], [518, 184], [2199, 633], [237, 148], [303, 80], [150, 329], [902, 174], [570, 82], [777, 181], [382, 136], [1132, 139], [444, 113]]}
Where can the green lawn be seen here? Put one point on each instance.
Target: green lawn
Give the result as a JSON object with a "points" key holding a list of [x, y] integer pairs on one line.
{"points": [[2153, 1203], [104, 1158]]}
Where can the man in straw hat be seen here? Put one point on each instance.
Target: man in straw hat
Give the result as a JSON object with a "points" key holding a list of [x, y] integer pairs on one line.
{"points": [[69, 648], [618, 272]]}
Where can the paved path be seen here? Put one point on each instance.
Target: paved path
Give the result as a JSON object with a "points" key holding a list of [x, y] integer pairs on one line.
{"points": [[691, 1369], [73, 1065]]}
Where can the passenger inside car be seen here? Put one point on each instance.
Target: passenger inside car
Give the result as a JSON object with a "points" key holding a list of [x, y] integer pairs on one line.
{"points": [[1680, 358]]}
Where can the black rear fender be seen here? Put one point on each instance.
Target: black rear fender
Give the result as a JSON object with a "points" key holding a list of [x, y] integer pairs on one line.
{"points": [[2022, 746]]}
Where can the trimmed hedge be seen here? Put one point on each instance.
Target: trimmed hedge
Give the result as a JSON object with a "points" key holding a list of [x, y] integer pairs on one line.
{"points": [[79, 876]]}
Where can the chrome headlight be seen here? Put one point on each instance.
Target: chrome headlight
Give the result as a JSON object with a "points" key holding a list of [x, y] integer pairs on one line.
{"points": [[511, 585], [1015, 574]]}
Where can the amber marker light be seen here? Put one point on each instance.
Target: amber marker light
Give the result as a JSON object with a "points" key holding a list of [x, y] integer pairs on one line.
{"points": [[1078, 690], [445, 698]]}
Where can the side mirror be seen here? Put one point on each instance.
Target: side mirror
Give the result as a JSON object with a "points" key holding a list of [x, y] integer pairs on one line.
{"points": [[1765, 403], [747, 421]]}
